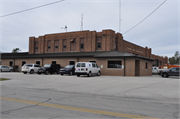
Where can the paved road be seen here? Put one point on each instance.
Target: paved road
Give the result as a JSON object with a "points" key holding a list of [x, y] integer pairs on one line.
{"points": [[55, 96]]}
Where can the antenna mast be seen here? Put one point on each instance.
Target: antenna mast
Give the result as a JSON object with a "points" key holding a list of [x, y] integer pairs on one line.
{"points": [[81, 29], [119, 16]]}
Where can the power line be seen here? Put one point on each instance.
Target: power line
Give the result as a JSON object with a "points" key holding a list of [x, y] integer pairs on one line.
{"points": [[31, 8], [146, 17]]}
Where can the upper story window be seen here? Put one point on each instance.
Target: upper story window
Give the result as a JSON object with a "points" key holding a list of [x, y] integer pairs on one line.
{"points": [[56, 46], [64, 44], [48, 46], [98, 43], [73, 44], [81, 44], [36, 46]]}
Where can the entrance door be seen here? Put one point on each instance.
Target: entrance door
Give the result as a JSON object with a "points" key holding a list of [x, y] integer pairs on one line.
{"points": [[137, 68]]}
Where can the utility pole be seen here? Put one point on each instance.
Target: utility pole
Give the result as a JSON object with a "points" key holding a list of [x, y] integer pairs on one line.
{"points": [[119, 16]]}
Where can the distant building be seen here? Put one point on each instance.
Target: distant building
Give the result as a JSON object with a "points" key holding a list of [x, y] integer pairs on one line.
{"points": [[114, 55]]}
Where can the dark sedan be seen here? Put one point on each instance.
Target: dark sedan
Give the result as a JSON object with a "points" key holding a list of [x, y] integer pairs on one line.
{"points": [[69, 69]]}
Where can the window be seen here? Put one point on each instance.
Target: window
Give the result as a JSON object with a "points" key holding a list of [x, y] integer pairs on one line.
{"points": [[28, 65], [36, 46], [83, 65], [23, 62], [64, 44], [36, 65], [173, 70], [93, 65], [48, 46], [82, 45], [71, 62], [146, 65], [114, 64], [56, 46], [53, 62], [99, 45], [10, 63], [78, 65], [73, 44], [38, 62], [177, 69]]}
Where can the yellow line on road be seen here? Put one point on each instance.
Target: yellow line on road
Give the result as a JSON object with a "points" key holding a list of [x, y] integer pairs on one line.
{"points": [[78, 109]]}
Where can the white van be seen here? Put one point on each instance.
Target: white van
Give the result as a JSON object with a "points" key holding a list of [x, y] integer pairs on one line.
{"points": [[87, 68]]}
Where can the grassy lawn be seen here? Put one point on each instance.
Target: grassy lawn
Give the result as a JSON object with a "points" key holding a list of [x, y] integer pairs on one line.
{"points": [[3, 79]]}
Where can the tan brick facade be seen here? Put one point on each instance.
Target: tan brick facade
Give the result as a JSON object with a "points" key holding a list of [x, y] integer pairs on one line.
{"points": [[127, 70], [108, 38]]}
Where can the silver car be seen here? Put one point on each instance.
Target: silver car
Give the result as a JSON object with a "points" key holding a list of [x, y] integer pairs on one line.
{"points": [[5, 68], [30, 68]]}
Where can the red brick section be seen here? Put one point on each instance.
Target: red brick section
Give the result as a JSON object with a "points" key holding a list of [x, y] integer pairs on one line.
{"points": [[110, 41]]}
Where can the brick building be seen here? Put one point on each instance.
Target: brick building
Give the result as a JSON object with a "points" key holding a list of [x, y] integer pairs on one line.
{"points": [[106, 48]]}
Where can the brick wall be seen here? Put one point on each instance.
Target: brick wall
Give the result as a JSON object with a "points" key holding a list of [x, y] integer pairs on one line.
{"points": [[109, 41]]}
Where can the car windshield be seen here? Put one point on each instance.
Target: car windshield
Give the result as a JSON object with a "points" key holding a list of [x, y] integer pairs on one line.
{"points": [[69, 66], [47, 65]]}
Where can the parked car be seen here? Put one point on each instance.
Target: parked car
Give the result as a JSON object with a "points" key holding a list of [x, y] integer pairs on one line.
{"points": [[170, 72], [155, 70], [30, 68], [49, 68], [87, 68], [69, 69], [5, 68]]}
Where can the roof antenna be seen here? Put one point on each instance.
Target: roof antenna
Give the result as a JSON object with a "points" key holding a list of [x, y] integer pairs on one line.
{"points": [[81, 29], [65, 28]]}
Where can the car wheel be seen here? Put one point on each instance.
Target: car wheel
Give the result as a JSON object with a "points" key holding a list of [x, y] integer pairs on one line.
{"points": [[78, 75], [89, 74], [1, 70], [99, 73], [165, 75], [10, 70], [62, 74], [46, 72], [70, 73], [25, 72], [32, 71]]}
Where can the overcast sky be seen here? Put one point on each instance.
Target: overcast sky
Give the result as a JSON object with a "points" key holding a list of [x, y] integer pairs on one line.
{"points": [[160, 31]]}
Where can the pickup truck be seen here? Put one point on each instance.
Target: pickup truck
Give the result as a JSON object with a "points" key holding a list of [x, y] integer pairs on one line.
{"points": [[170, 72]]}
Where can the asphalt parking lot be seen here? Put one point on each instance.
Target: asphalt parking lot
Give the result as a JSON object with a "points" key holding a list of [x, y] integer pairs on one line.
{"points": [[147, 87]]}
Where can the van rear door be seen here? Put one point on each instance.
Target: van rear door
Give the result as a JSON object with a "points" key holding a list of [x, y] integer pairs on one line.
{"points": [[80, 67]]}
